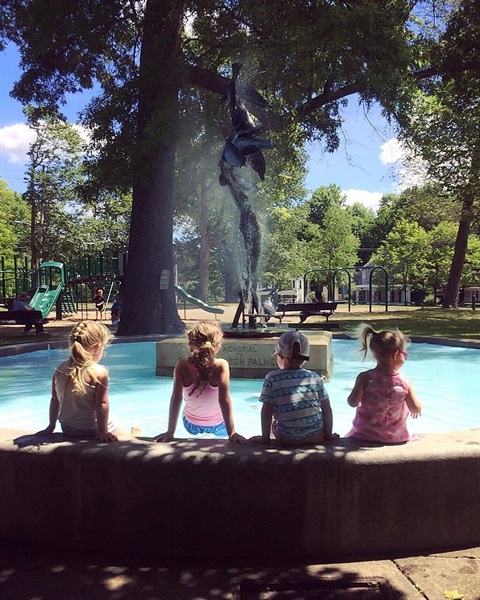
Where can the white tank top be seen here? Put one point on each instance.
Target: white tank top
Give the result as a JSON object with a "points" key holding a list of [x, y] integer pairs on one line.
{"points": [[77, 411]]}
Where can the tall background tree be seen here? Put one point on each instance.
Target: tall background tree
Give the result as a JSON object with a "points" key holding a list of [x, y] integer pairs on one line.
{"points": [[403, 254], [442, 125], [14, 235], [54, 170]]}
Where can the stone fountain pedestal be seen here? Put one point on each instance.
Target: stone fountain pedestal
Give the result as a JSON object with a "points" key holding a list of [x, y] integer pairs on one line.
{"points": [[249, 357]]}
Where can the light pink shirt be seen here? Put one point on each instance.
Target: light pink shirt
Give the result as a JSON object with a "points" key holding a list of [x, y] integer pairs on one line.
{"points": [[201, 407], [382, 414]]}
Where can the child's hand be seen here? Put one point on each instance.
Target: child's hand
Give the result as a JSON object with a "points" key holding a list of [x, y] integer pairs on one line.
{"points": [[415, 415], [46, 431], [163, 437], [259, 439], [236, 438], [108, 437]]}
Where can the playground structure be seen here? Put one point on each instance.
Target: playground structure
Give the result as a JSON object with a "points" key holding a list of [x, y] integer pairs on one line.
{"points": [[188, 298], [52, 284], [66, 288], [69, 288], [332, 276]]}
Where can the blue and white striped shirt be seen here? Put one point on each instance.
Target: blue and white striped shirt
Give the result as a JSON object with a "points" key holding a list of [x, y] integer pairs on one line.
{"points": [[296, 395]]}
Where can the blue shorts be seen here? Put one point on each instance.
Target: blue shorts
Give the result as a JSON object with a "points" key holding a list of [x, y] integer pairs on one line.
{"points": [[218, 430]]}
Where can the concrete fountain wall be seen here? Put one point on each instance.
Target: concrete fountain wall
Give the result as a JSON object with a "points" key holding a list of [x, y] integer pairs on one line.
{"points": [[249, 357], [207, 500]]}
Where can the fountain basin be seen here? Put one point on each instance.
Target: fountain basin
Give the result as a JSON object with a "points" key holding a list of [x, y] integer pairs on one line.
{"points": [[197, 501], [250, 356]]}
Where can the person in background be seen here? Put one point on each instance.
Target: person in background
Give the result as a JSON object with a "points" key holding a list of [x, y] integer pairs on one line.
{"points": [[383, 396], [296, 407], [116, 310], [21, 303], [99, 302], [203, 381]]}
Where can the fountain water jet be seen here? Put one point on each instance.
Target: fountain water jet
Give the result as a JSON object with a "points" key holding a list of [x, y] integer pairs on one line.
{"points": [[242, 147], [249, 350]]}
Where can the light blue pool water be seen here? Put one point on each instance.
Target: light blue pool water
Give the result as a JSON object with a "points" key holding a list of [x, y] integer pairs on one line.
{"points": [[446, 381]]}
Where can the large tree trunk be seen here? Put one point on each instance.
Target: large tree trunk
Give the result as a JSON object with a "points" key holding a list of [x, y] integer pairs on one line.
{"points": [[204, 262], [451, 292], [450, 297], [149, 298]]}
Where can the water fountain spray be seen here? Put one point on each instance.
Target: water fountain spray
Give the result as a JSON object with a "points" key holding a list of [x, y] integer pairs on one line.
{"points": [[244, 147]]}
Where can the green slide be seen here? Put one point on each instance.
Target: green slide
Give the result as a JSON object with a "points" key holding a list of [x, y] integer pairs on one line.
{"points": [[45, 297], [188, 298]]}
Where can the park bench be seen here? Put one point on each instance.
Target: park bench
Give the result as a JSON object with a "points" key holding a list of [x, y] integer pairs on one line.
{"points": [[306, 309], [278, 310], [21, 317]]}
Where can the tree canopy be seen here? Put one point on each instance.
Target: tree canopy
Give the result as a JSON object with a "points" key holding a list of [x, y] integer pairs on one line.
{"points": [[441, 123], [148, 59]]}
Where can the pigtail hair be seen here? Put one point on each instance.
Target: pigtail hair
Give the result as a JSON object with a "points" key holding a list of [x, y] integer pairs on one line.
{"points": [[379, 342], [363, 332]]}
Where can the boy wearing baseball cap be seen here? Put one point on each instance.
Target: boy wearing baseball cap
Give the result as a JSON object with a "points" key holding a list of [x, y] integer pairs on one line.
{"points": [[296, 407]]}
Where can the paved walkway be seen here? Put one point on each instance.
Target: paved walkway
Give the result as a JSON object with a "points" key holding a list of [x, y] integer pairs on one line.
{"points": [[46, 574]]}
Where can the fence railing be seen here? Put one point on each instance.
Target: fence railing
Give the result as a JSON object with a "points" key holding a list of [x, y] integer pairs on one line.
{"points": [[16, 275]]}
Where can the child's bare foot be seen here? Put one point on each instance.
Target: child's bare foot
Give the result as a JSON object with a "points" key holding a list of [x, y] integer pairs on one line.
{"points": [[135, 431]]}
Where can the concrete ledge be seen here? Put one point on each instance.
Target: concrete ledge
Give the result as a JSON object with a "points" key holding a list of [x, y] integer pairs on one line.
{"points": [[209, 500]]}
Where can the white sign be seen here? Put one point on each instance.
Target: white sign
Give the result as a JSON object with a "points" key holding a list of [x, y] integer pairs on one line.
{"points": [[164, 279]]}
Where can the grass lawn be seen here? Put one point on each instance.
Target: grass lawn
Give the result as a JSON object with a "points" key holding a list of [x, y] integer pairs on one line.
{"points": [[461, 323]]}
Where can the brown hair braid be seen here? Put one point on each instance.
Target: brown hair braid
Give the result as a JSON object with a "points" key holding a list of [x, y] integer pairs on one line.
{"points": [[204, 340]]}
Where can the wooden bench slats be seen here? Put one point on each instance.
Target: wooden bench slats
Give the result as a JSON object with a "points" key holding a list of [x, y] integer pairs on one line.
{"points": [[307, 309], [21, 317]]}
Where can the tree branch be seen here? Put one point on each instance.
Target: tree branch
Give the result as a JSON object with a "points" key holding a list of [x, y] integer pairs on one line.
{"points": [[218, 84]]}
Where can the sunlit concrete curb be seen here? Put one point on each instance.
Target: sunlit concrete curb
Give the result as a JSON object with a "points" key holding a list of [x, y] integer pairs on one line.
{"points": [[212, 500]]}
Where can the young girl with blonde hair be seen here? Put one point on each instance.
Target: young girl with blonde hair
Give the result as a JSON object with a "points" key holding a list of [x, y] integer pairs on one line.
{"points": [[203, 381], [80, 386], [383, 396]]}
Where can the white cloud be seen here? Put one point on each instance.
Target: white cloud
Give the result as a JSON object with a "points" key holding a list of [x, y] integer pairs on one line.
{"points": [[15, 141], [368, 199], [83, 132], [408, 169], [391, 151]]}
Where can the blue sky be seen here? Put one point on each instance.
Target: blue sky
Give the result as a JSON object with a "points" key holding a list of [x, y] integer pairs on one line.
{"points": [[363, 167]]}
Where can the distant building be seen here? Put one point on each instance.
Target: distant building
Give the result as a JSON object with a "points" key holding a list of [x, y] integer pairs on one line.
{"points": [[396, 293], [468, 295]]}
